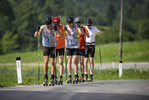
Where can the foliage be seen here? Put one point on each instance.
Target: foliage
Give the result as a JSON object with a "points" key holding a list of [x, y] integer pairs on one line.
{"points": [[21, 17]]}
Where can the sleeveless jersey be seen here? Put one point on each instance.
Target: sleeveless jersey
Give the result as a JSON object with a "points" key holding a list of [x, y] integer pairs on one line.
{"points": [[60, 40], [48, 38], [72, 41]]}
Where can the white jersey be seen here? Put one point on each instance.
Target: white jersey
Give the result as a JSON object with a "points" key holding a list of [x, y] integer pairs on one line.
{"points": [[92, 32]]}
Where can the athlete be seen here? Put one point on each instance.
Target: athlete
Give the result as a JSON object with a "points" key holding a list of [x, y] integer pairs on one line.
{"points": [[90, 50], [72, 48], [82, 45], [49, 43], [60, 46]]}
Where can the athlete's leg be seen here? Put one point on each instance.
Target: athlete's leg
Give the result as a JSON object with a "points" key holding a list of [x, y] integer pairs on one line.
{"points": [[75, 61], [45, 66], [69, 59], [91, 65], [82, 64], [61, 64]]}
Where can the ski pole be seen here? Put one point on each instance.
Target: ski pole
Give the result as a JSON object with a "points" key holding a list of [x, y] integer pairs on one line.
{"points": [[38, 57], [100, 53]]}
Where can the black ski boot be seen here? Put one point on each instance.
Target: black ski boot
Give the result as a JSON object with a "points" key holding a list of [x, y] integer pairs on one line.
{"points": [[86, 78], [91, 78], [52, 82], [55, 80], [69, 80], [76, 80], [45, 83], [60, 82], [82, 80]]}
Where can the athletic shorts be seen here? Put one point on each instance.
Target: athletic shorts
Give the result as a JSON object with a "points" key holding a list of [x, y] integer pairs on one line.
{"points": [[90, 50], [49, 51], [82, 52], [60, 51], [71, 52]]}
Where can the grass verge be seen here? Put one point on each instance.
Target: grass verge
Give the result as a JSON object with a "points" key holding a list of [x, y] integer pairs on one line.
{"points": [[8, 75]]}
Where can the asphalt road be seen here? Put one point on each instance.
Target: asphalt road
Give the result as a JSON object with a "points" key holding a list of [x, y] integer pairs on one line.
{"points": [[96, 90]]}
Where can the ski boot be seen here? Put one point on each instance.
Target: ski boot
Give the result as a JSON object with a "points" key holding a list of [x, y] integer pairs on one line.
{"points": [[86, 78], [51, 83], [69, 81], [45, 83], [91, 78], [60, 82], [75, 81], [55, 80], [82, 80]]}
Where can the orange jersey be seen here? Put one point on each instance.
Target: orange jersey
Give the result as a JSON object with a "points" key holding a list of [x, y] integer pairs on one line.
{"points": [[82, 42], [60, 40]]}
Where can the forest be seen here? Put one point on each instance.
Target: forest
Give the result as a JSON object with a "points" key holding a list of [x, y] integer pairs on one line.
{"points": [[19, 19]]}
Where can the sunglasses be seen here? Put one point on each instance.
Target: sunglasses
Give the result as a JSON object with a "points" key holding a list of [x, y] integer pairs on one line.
{"points": [[48, 25], [70, 23]]}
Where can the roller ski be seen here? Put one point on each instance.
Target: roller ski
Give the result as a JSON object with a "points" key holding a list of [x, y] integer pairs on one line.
{"points": [[90, 79], [86, 78], [69, 81], [55, 80], [51, 83], [82, 80], [60, 82], [75, 81], [45, 83]]}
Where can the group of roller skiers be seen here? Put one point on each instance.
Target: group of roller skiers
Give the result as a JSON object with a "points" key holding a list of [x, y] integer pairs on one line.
{"points": [[78, 40]]}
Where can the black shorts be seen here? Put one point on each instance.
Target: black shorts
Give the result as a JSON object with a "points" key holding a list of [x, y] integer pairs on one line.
{"points": [[82, 52], [71, 52], [90, 50], [60, 51], [49, 51]]}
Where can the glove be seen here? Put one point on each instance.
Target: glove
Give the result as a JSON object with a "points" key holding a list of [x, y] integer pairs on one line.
{"points": [[55, 28], [38, 28], [65, 28], [84, 30], [78, 25]]}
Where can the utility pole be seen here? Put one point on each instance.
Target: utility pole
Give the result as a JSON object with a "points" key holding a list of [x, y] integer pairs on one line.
{"points": [[121, 28]]}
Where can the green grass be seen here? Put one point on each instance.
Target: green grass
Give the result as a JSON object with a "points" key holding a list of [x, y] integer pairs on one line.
{"points": [[8, 75], [132, 52]]}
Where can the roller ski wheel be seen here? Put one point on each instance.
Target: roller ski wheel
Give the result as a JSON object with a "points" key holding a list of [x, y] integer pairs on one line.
{"points": [[75, 81], [45, 83], [51, 83], [69, 81], [60, 82]]}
